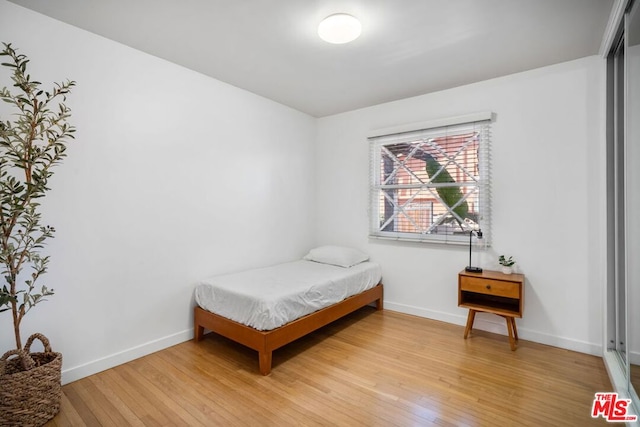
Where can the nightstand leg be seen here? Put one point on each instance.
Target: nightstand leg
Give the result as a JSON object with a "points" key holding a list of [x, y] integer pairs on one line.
{"points": [[512, 341], [470, 318], [515, 330]]}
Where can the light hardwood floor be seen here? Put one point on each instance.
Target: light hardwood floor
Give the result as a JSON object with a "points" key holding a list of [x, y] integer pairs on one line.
{"points": [[369, 368]]}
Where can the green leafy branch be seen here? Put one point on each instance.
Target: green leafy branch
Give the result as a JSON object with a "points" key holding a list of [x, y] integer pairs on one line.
{"points": [[30, 145], [452, 197]]}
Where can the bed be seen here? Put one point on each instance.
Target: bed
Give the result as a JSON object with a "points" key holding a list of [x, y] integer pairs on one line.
{"points": [[267, 308]]}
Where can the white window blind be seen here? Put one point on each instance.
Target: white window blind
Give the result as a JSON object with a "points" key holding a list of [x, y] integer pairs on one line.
{"points": [[431, 184]]}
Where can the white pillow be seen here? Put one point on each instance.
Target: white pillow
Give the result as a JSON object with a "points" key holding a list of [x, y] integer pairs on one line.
{"points": [[336, 255]]}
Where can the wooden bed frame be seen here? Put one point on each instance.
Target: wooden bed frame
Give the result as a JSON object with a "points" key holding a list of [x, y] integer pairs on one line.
{"points": [[267, 341]]}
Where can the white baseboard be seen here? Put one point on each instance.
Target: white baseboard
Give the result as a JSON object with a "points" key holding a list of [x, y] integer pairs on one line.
{"points": [[90, 368], [421, 312], [498, 326]]}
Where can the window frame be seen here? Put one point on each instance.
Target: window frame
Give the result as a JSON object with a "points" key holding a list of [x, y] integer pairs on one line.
{"points": [[412, 132]]}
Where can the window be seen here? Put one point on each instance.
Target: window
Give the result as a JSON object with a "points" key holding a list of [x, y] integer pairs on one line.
{"points": [[431, 182]]}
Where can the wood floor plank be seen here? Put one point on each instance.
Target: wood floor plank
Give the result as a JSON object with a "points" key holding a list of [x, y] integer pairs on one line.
{"points": [[153, 389], [68, 416], [82, 407], [371, 368], [137, 400], [128, 416], [105, 413]]}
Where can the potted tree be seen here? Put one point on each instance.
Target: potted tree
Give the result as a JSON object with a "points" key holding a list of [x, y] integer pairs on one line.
{"points": [[33, 139]]}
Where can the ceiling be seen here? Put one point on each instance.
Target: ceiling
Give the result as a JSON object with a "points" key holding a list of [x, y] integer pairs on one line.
{"points": [[407, 47]]}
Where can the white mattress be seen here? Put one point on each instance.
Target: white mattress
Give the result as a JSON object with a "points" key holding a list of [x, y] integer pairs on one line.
{"points": [[267, 298]]}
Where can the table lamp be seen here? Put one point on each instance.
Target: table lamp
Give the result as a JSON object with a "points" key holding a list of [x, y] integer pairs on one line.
{"points": [[469, 268]]}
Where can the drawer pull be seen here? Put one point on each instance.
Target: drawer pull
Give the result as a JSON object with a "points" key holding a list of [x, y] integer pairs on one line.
{"points": [[488, 286]]}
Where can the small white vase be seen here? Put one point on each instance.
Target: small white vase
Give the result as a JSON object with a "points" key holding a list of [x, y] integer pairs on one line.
{"points": [[507, 270]]}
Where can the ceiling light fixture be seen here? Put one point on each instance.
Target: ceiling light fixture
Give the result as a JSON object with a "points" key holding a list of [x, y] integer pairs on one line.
{"points": [[339, 28]]}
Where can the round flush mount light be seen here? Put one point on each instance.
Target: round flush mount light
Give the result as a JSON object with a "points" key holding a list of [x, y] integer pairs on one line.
{"points": [[339, 28]]}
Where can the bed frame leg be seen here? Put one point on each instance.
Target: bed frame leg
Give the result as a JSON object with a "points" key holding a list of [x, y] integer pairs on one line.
{"points": [[198, 333], [379, 305], [265, 361]]}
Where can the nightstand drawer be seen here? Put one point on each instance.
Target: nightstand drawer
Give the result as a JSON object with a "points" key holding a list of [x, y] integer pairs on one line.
{"points": [[489, 287]]}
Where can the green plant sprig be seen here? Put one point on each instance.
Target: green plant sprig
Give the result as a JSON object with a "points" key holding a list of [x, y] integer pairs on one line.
{"points": [[506, 262]]}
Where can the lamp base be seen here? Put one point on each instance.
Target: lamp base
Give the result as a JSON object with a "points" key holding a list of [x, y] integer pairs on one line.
{"points": [[473, 269]]}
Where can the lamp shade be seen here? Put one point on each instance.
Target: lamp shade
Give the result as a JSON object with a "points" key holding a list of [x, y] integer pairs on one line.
{"points": [[339, 28]]}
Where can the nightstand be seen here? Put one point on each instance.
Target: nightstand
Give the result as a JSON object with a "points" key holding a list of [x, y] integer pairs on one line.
{"points": [[492, 292]]}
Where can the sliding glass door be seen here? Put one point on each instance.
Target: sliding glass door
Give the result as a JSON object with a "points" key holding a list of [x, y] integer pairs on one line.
{"points": [[616, 230], [623, 206], [632, 145]]}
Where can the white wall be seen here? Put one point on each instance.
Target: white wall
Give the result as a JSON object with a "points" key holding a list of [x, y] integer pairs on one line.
{"points": [[173, 176], [548, 200]]}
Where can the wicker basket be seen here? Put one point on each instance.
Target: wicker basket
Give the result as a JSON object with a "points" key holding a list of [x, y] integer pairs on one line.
{"points": [[30, 385]]}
